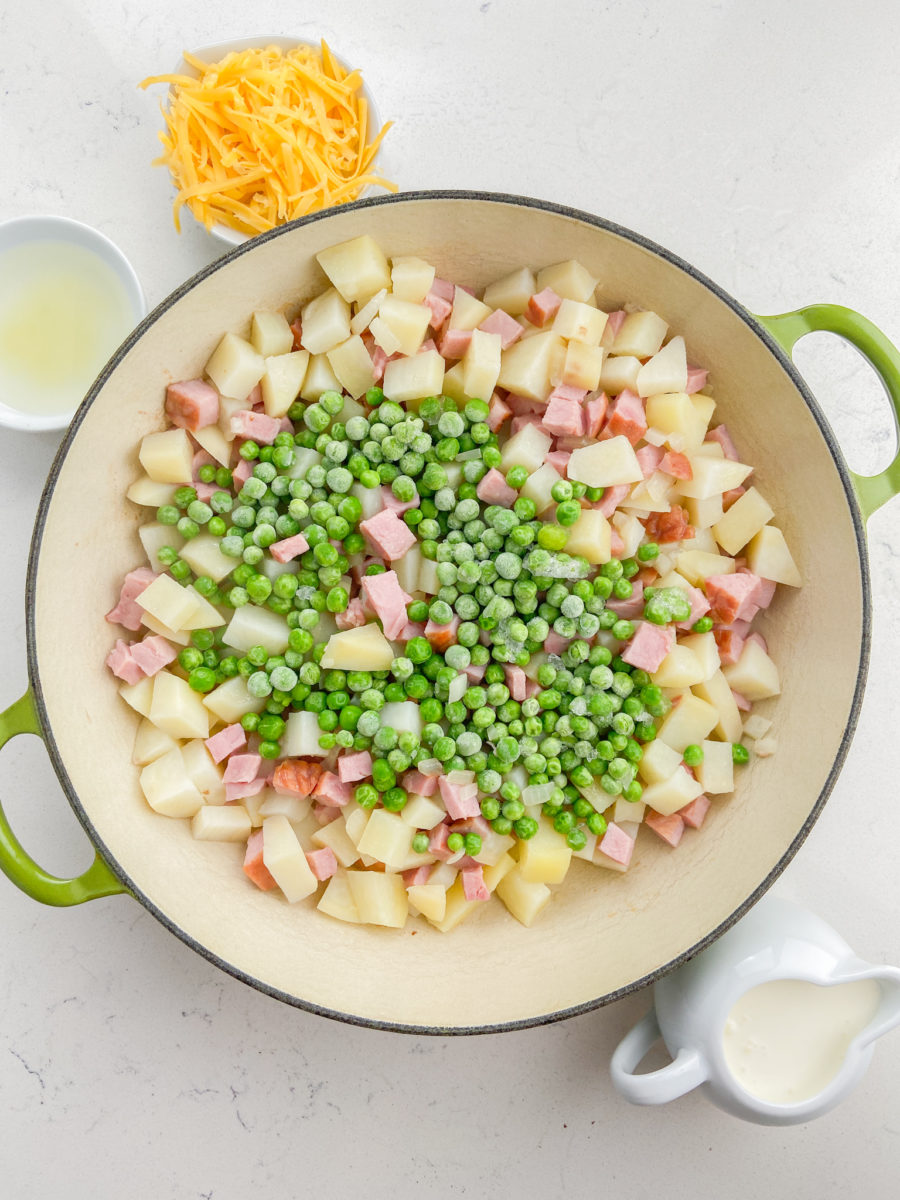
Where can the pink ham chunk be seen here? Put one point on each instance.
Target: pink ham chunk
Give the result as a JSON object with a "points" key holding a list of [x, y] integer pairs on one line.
{"points": [[498, 411], [352, 767], [493, 489], [254, 867], [240, 791], [616, 844], [676, 464], [764, 592], [242, 472], [522, 419], [521, 405], [628, 609], [437, 842], [455, 342], [322, 862], [288, 548], [153, 653], [255, 425], [474, 887], [730, 644], [721, 435], [460, 799], [398, 506], [699, 607], [669, 828], [612, 497], [445, 289], [515, 681], [559, 461], [472, 825], [475, 672], [543, 307], [192, 404], [120, 661], [389, 536], [419, 784], [126, 613], [649, 646], [353, 615], [595, 410], [441, 636], [563, 416], [614, 322], [731, 597], [696, 379], [226, 741], [331, 791], [441, 306], [694, 814], [626, 418], [387, 600], [508, 327], [242, 768], [649, 458], [741, 701], [416, 876]]}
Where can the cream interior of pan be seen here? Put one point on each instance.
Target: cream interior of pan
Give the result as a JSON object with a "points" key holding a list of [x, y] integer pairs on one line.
{"points": [[602, 931]]}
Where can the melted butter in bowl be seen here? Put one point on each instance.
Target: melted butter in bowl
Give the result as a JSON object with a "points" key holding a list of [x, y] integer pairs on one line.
{"points": [[785, 1041]]}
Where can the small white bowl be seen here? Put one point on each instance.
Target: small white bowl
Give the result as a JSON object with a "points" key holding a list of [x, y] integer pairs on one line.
{"points": [[216, 52], [22, 231]]}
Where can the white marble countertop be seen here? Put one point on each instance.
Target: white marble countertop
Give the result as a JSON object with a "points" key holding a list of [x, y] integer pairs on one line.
{"points": [[758, 140]]}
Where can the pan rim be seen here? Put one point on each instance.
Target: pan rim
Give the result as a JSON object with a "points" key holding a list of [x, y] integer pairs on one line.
{"points": [[784, 360]]}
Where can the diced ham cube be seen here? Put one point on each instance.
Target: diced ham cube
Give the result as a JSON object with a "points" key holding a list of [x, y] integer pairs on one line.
{"points": [[475, 672], [543, 307], [730, 644], [616, 844], [508, 327], [242, 472], [322, 862], [521, 405], [632, 607], [379, 362], [296, 776], [387, 598], [254, 867], [563, 416], [649, 646], [649, 458], [437, 842], [615, 321], [289, 547], [397, 506], [696, 379], [460, 800], [352, 767], [474, 887], [616, 545], [672, 526], [226, 741], [555, 643], [612, 497], [390, 536], [676, 464], [498, 411], [764, 591], [455, 342], [241, 768], [731, 596], [415, 876], [721, 435], [331, 791], [559, 461], [741, 701], [120, 661], [152, 654], [693, 814], [441, 636], [445, 289], [441, 306], [258, 426], [493, 489], [626, 418], [522, 419], [352, 616], [669, 828], [595, 410], [410, 630], [192, 404], [240, 791], [515, 681], [471, 825], [420, 785], [126, 613]]}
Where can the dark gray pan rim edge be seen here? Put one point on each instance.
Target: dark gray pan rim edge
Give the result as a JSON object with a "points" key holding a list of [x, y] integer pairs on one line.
{"points": [[590, 1005]]}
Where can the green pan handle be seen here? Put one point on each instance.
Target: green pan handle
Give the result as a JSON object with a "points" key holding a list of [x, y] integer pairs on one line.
{"points": [[787, 328], [98, 880]]}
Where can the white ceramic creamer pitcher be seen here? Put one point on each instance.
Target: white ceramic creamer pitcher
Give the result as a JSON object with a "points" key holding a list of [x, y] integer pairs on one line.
{"points": [[745, 1020]]}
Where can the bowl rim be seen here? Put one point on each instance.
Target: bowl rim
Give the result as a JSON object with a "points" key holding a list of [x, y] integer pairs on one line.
{"points": [[42, 227], [634, 986]]}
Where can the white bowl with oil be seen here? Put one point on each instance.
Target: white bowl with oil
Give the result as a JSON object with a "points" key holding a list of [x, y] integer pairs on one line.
{"points": [[68, 298]]}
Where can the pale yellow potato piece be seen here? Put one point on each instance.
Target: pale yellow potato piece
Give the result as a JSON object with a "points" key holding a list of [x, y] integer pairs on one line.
{"points": [[414, 378], [411, 278], [581, 366], [362, 649], [630, 530], [352, 364], [167, 456], [768, 555], [690, 721], [697, 565], [301, 736], [225, 824], [367, 312], [167, 787], [579, 322], [512, 292], [150, 743], [641, 334], [228, 406], [235, 367], [754, 675], [334, 836], [319, 378], [568, 279], [704, 646], [527, 448], [745, 517], [453, 384], [716, 692], [422, 812], [591, 537], [358, 268], [324, 322], [408, 321], [203, 615], [666, 371], [150, 492], [206, 776], [545, 858], [673, 793], [458, 907], [429, 899], [704, 514], [525, 899], [214, 442], [387, 838], [467, 311], [713, 476], [618, 373], [138, 695], [296, 808], [380, 898], [270, 334], [254, 626], [481, 364], [679, 669], [153, 537], [203, 556], [493, 847], [283, 378], [538, 486], [605, 464], [525, 366], [168, 601], [285, 859], [337, 901], [177, 708], [716, 773], [230, 700], [659, 762], [355, 823]]}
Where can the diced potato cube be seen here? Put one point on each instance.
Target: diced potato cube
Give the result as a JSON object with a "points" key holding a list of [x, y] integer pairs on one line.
{"points": [[167, 787], [205, 775], [203, 556], [525, 366], [429, 899], [627, 810], [214, 442], [704, 646], [230, 700], [467, 312], [334, 836], [357, 268], [679, 669], [177, 708], [524, 898], [352, 364], [150, 743], [153, 537], [453, 384], [282, 381], [337, 901], [605, 464], [319, 378], [295, 808], [591, 537], [754, 675], [380, 898], [235, 367], [404, 716], [527, 448], [254, 626], [579, 322], [619, 373], [411, 278], [704, 514], [138, 695], [512, 292], [386, 838], [666, 371], [716, 692], [713, 476], [203, 615], [150, 493], [768, 555], [689, 721], [362, 649], [697, 565], [270, 334], [221, 824], [493, 847], [745, 517], [458, 907], [167, 456], [537, 486], [545, 858], [659, 762], [228, 406], [355, 823], [716, 773], [285, 859], [581, 367], [755, 726], [366, 313], [414, 378], [673, 793], [168, 601], [407, 321], [325, 322], [422, 812], [640, 334], [568, 279], [630, 530], [481, 364], [301, 736]]}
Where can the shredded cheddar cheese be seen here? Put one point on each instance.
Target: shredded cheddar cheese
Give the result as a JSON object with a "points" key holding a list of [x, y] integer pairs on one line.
{"points": [[266, 136]]}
